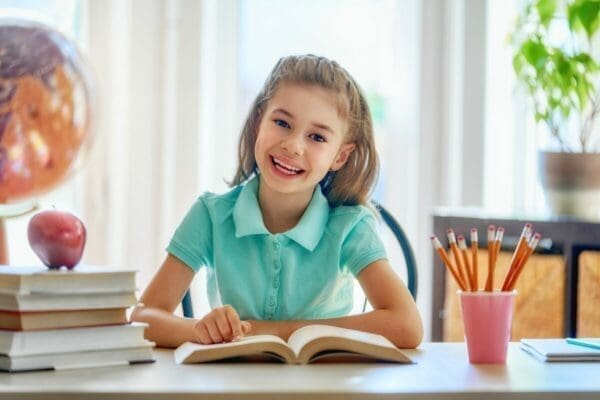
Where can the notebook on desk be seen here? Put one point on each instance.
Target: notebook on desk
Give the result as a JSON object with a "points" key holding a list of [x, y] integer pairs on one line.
{"points": [[549, 350]]}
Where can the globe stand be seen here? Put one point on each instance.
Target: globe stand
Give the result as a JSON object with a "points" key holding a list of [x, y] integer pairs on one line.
{"points": [[9, 211]]}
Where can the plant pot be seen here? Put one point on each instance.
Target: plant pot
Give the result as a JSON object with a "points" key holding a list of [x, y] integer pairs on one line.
{"points": [[571, 183]]}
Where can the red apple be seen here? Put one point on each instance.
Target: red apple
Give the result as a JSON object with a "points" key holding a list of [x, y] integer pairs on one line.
{"points": [[57, 237]]}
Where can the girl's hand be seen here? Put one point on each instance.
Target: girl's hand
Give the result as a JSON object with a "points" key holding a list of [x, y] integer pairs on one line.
{"points": [[220, 325]]}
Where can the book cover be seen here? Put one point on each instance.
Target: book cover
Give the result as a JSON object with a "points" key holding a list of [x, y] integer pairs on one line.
{"points": [[20, 343], [306, 345], [78, 359], [64, 301], [549, 350], [81, 279], [35, 320]]}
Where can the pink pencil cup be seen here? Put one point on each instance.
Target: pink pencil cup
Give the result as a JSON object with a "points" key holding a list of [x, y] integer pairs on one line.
{"points": [[487, 319]]}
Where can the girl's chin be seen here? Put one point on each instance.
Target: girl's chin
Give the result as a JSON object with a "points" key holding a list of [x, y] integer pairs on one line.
{"points": [[286, 186]]}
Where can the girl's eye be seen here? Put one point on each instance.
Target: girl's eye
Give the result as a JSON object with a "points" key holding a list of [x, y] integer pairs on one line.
{"points": [[317, 138], [281, 123]]}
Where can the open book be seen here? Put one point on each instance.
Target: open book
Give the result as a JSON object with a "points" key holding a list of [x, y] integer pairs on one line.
{"points": [[305, 345]]}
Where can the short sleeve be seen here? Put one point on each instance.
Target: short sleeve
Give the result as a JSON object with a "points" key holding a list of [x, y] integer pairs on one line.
{"points": [[192, 241], [362, 245]]}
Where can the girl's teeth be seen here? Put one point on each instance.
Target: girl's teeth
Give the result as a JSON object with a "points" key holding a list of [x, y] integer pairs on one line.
{"points": [[285, 167], [285, 170]]}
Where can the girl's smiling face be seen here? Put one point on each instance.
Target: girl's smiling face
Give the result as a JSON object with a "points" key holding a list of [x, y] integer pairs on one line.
{"points": [[300, 138]]}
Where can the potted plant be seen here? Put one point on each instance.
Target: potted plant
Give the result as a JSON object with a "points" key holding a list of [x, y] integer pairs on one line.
{"points": [[556, 46]]}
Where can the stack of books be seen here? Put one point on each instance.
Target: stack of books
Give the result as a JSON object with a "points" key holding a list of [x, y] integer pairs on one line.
{"points": [[59, 319]]}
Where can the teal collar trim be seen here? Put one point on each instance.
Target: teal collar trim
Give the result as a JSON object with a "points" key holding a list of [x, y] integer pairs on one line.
{"points": [[247, 217]]}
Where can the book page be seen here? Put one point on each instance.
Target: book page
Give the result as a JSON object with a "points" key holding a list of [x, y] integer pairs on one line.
{"points": [[322, 342], [245, 346], [254, 339], [306, 334]]}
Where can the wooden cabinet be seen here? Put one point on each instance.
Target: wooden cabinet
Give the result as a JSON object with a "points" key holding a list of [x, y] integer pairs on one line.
{"points": [[558, 292], [588, 295]]}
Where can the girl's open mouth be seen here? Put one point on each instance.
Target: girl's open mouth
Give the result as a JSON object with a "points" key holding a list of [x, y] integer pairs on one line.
{"points": [[284, 168]]}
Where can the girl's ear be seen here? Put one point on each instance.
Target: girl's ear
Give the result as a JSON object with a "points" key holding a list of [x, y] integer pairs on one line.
{"points": [[342, 156]]}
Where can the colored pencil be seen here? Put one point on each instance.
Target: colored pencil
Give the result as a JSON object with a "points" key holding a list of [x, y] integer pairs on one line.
{"points": [[446, 260], [523, 260], [491, 237], [474, 259], [457, 257]]}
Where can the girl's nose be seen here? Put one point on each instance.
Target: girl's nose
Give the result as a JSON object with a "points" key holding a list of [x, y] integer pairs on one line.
{"points": [[293, 144]]}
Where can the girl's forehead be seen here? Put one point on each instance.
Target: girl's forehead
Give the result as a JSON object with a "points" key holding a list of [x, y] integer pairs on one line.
{"points": [[305, 95]]}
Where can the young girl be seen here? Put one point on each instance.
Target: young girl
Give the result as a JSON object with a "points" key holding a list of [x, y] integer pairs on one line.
{"points": [[283, 246]]}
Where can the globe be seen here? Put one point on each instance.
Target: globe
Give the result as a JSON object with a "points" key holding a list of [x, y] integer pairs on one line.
{"points": [[45, 109]]}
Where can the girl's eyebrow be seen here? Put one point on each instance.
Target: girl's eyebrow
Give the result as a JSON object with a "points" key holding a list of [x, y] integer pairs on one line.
{"points": [[318, 125]]}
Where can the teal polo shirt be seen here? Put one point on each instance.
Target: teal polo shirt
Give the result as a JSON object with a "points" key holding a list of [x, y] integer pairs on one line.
{"points": [[304, 273]]}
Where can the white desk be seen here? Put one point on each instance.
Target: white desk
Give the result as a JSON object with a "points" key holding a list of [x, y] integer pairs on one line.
{"points": [[442, 372]]}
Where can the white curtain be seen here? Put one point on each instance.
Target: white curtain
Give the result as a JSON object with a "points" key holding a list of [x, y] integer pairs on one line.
{"points": [[143, 171], [166, 73]]}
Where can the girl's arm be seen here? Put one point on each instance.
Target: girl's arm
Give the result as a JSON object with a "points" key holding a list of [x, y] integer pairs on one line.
{"points": [[394, 314], [160, 299]]}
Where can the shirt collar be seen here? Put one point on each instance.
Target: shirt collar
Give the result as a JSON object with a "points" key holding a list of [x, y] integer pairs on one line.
{"points": [[248, 220], [247, 216]]}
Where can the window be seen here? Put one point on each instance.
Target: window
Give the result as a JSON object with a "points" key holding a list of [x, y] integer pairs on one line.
{"points": [[512, 183]]}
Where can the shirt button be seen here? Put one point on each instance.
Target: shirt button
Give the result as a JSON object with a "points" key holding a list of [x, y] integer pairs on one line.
{"points": [[276, 245], [269, 317], [276, 283]]}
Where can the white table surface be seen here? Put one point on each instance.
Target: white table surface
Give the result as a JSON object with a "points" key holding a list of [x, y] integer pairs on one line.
{"points": [[442, 371]]}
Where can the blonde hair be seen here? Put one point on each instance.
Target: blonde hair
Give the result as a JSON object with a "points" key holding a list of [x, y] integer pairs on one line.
{"points": [[353, 183]]}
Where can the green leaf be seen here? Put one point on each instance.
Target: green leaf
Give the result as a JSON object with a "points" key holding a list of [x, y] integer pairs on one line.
{"points": [[581, 92], [572, 17], [584, 15], [546, 10], [518, 64], [535, 53], [584, 59], [539, 117], [563, 67]]}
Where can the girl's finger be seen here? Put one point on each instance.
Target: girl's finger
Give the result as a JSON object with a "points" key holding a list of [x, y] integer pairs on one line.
{"points": [[224, 326], [234, 323], [202, 333], [246, 327], [213, 331]]}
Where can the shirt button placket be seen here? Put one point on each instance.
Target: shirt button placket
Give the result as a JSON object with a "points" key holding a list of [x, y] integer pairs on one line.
{"points": [[272, 300]]}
